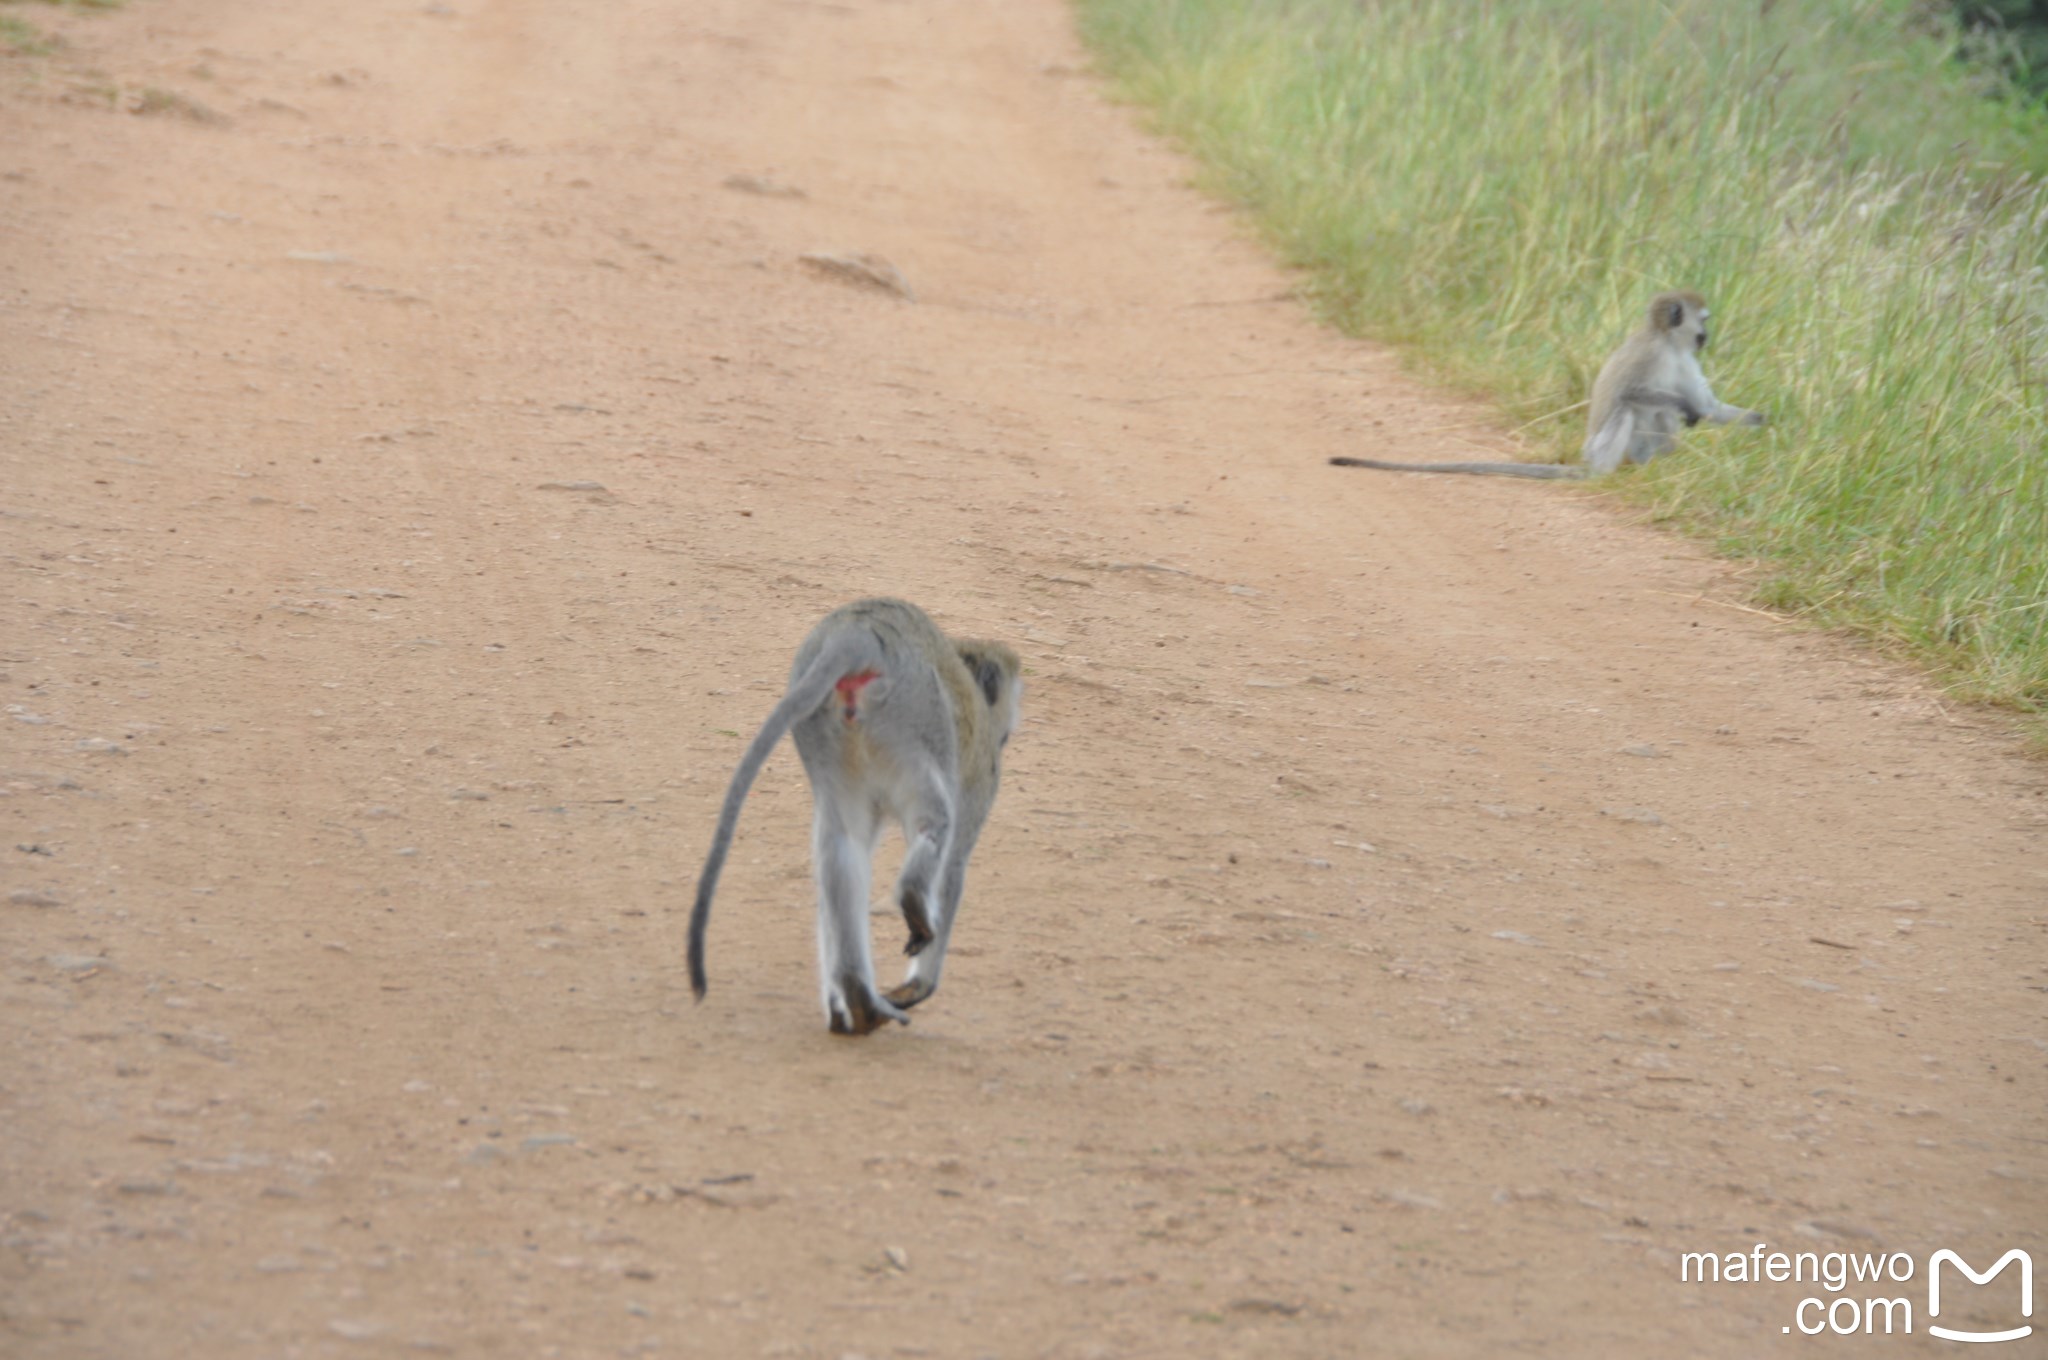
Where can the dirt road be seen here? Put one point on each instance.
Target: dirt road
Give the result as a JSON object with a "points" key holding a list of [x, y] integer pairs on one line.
{"points": [[1417, 914]]}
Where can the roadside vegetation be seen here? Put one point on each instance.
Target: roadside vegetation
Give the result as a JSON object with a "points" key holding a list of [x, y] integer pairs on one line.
{"points": [[1501, 188], [21, 38], [2009, 34]]}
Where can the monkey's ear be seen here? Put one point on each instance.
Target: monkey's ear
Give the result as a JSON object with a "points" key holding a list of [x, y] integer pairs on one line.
{"points": [[1672, 314], [987, 674]]}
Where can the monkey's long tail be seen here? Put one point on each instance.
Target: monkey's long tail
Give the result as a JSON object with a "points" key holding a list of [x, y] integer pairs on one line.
{"points": [[806, 693], [1548, 472]]}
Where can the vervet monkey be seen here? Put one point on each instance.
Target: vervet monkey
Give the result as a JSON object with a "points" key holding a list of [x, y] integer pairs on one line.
{"points": [[1644, 390], [892, 719]]}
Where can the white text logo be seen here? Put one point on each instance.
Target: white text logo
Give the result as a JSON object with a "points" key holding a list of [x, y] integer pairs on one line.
{"points": [[1934, 1293]]}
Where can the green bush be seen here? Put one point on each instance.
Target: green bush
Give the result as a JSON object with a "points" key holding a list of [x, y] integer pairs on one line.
{"points": [[2011, 35]]}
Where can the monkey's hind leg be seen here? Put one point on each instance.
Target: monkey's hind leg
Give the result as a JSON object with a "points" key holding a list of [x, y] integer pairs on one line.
{"points": [[1610, 444], [928, 826], [925, 966], [846, 971]]}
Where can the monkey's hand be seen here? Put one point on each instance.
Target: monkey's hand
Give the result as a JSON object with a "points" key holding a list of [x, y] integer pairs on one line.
{"points": [[1754, 418]]}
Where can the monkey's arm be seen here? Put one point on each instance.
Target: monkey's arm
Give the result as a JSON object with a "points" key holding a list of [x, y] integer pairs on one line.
{"points": [[1721, 413], [1699, 403]]}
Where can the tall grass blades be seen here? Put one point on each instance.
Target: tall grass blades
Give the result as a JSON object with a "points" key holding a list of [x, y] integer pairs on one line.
{"points": [[1502, 187]]}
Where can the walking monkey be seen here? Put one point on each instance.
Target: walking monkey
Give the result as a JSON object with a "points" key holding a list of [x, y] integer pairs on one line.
{"points": [[893, 719]]}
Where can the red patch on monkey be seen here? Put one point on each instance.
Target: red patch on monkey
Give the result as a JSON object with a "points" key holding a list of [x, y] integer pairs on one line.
{"points": [[849, 688]]}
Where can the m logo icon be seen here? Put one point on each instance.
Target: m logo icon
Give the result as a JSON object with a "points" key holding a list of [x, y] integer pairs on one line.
{"points": [[1934, 1293]]}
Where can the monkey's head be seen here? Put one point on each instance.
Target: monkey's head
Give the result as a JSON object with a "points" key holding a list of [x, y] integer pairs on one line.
{"points": [[1000, 675], [1681, 318]]}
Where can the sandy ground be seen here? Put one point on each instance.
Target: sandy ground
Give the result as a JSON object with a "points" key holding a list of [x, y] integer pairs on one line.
{"points": [[1418, 910]]}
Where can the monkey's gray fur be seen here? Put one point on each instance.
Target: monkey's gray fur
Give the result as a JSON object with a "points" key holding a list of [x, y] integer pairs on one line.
{"points": [[893, 720], [1645, 390]]}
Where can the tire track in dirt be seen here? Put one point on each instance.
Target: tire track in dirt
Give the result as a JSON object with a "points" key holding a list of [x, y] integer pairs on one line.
{"points": [[1416, 912]]}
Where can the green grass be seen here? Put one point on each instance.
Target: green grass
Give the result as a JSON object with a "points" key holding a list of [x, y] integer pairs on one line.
{"points": [[1501, 188]]}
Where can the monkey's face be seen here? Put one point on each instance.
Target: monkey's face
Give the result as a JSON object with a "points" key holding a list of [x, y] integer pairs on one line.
{"points": [[1682, 317]]}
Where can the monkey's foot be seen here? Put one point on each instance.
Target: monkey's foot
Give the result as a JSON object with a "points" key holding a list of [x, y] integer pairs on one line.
{"points": [[910, 993], [919, 921], [855, 1014]]}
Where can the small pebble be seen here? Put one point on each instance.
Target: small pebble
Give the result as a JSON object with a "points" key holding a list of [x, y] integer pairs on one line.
{"points": [[870, 271], [541, 1140], [1408, 1199], [148, 1187], [767, 188]]}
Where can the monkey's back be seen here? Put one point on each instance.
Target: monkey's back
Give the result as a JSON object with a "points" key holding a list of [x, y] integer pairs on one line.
{"points": [[918, 675]]}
